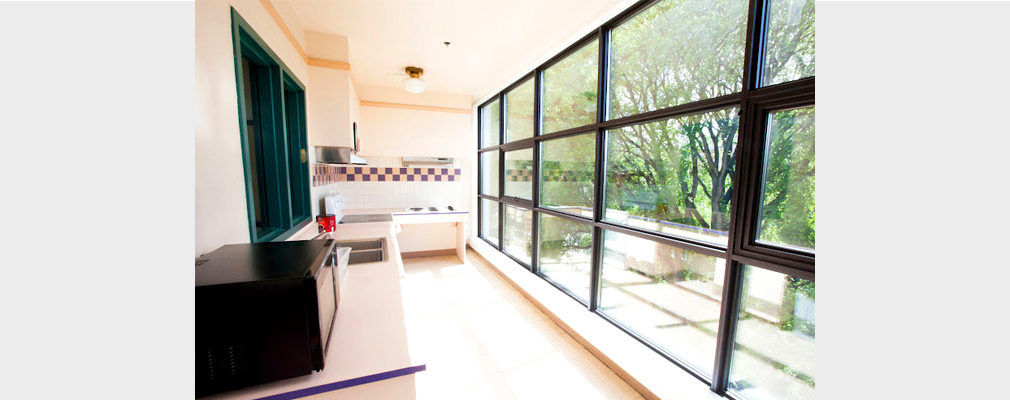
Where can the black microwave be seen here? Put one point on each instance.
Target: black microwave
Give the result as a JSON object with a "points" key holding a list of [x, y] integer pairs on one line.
{"points": [[264, 312]]}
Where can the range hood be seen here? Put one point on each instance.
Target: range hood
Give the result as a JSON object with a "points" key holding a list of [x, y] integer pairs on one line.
{"points": [[427, 161], [337, 155]]}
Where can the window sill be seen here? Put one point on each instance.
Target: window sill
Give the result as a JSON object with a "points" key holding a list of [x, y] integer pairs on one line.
{"points": [[646, 371]]}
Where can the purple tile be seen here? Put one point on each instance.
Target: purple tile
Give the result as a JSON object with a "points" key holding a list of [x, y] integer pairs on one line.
{"points": [[382, 178], [431, 171], [417, 171], [424, 178], [457, 171], [444, 172], [396, 178], [438, 178], [350, 177], [452, 178], [403, 171], [366, 177], [357, 170], [389, 171], [410, 178], [373, 170]]}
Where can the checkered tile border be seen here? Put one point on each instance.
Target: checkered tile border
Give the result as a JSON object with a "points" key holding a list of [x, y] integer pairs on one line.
{"points": [[521, 175], [326, 174]]}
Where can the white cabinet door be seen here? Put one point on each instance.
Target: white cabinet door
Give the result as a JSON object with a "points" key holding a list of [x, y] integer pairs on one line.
{"points": [[329, 104]]}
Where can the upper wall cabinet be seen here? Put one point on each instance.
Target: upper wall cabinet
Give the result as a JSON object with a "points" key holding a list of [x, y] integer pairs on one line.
{"points": [[330, 96], [332, 99]]}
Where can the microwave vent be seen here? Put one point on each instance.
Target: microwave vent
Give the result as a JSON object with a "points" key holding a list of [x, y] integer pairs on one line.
{"points": [[222, 365]]}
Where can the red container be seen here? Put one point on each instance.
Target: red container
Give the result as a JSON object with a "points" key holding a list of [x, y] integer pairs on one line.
{"points": [[327, 223]]}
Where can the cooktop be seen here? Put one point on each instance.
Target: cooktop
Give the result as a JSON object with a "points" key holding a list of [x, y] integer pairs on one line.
{"points": [[365, 218]]}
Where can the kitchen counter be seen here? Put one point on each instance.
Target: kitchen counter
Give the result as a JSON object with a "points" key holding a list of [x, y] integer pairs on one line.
{"points": [[401, 217], [369, 334]]}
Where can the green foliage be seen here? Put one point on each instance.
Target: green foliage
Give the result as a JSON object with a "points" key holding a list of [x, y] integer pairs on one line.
{"points": [[789, 52], [569, 98], [681, 51], [490, 124], [573, 158], [518, 232], [787, 212], [687, 163], [519, 112]]}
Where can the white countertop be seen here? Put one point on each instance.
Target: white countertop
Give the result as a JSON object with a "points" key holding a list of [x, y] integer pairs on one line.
{"points": [[369, 334]]}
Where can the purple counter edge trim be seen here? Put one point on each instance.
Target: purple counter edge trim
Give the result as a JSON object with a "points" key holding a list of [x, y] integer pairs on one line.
{"points": [[329, 387]]}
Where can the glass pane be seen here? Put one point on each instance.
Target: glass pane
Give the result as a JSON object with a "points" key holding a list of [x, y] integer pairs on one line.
{"points": [[669, 295], [254, 143], [787, 209], [490, 128], [674, 176], [519, 112], [567, 174], [519, 173], [489, 173], [676, 52], [294, 114], [566, 253], [519, 233], [489, 220], [773, 352], [789, 49], [569, 98]]}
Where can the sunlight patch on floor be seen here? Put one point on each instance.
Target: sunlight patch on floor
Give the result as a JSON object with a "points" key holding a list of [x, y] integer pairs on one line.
{"points": [[480, 339]]}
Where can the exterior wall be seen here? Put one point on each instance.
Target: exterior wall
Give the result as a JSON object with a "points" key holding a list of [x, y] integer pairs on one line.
{"points": [[221, 216]]}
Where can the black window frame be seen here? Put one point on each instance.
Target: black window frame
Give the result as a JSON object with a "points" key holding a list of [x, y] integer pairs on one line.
{"points": [[754, 103]]}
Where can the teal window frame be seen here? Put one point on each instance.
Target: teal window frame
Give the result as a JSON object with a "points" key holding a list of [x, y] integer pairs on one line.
{"points": [[282, 183]]}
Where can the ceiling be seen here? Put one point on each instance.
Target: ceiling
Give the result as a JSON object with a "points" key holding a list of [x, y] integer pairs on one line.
{"points": [[492, 42]]}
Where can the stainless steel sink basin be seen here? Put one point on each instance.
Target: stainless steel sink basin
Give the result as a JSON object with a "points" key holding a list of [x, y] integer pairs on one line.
{"points": [[369, 244], [365, 251]]}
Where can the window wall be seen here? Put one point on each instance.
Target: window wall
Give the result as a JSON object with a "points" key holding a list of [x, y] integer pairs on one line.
{"points": [[660, 171]]}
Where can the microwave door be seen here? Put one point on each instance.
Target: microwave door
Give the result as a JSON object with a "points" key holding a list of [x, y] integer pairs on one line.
{"points": [[326, 293]]}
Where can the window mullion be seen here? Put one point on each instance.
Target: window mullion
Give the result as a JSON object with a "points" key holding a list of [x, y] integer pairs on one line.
{"points": [[537, 101], [599, 180], [731, 290]]}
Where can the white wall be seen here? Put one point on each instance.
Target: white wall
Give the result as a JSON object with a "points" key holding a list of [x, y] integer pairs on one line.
{"points": [[221, 216], [392, 132], [396, 132]]}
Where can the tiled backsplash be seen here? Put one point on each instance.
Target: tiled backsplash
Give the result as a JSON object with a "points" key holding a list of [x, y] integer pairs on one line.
{"points": [[400, 194], [326, 174], [385, 183]]}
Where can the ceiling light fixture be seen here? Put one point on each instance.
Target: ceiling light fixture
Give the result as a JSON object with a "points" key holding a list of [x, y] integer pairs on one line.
{"points": [[414, 84]]}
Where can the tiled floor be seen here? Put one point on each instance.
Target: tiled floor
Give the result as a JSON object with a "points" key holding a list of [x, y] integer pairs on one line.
{"points": [[481, 339]]}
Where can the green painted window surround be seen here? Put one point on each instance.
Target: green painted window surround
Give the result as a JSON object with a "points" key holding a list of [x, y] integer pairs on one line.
{"points": [[271, 111]]}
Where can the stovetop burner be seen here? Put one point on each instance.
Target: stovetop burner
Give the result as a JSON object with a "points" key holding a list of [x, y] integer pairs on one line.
{"points": [[430, 209]]}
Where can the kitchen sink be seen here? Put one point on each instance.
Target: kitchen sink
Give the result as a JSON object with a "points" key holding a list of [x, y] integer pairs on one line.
{"points": [[355, 245], [365, 251]]}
